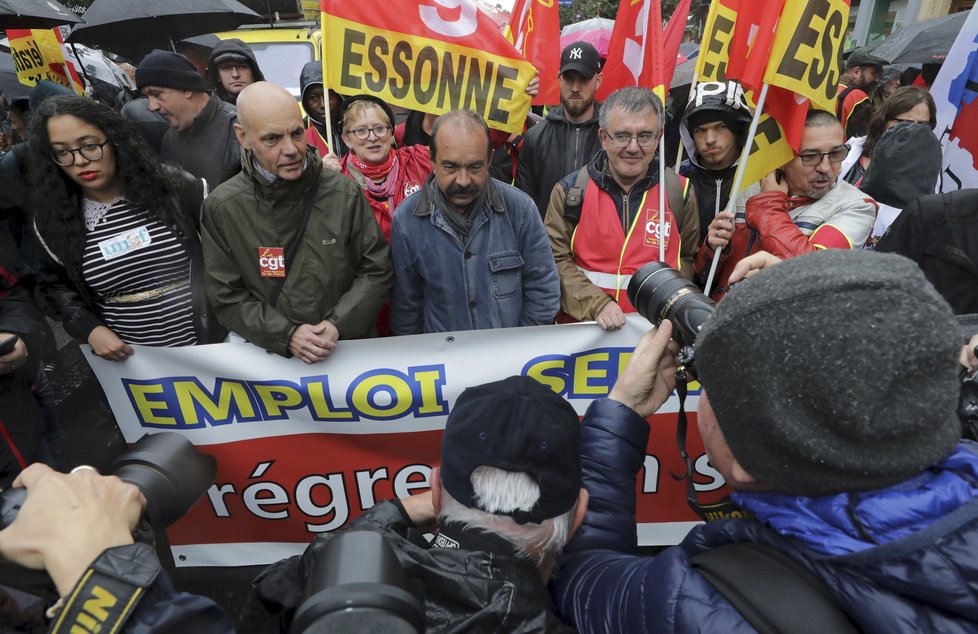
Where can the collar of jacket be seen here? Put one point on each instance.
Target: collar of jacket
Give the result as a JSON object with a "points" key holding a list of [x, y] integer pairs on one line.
{"points": [[600, 172], [205, 116], [278, 189], [426, 205], [457, 535], [557, 114]]}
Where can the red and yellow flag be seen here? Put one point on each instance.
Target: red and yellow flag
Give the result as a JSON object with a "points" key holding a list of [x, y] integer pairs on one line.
{"points": [[428, 55], [39, 54], [635, 55], [534, 29]]}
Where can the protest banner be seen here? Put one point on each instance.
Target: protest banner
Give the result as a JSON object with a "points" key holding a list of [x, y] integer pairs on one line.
{"points": [[534, 29], [39, 55], [428, 55], [955, 90], [303, 449]]}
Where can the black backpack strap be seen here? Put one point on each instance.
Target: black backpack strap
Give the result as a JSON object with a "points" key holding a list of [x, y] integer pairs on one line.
{"points": [[772, 591], [840, 101], [575, 196], [293, 246]]}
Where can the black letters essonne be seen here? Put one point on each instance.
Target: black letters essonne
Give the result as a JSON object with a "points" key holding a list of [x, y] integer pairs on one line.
{"points": [[461, 81], [819, 75]]}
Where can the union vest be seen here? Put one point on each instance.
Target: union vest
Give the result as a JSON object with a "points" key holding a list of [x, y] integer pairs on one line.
{"points": [[606, 255]]}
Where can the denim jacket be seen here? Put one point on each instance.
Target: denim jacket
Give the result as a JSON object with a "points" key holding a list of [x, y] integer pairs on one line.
{"points": [[501, 275]]}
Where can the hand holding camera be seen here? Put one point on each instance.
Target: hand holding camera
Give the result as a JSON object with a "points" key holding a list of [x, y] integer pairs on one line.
{"points": [[68, 519]]}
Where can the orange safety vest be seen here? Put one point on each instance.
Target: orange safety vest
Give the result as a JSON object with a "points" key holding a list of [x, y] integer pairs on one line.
{"points": [[606, 256]]}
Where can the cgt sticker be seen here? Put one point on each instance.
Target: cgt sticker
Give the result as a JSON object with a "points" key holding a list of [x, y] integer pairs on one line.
{"points": [[271, 261]]}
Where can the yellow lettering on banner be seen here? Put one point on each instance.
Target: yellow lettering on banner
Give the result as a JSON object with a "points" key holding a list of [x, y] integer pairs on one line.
{"points": [[808, 44], [230, 393], [140, 394], [556, 382], [427, 75], [276, 398], [400, 399], [429, 382], [321, 406], [583, 372]]}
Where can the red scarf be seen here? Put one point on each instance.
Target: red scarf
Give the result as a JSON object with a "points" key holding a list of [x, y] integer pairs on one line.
{"points": [[374, 172]]}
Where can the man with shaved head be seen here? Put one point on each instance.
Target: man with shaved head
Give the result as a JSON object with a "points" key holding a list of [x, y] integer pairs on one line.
{"points": [[295, 260]]}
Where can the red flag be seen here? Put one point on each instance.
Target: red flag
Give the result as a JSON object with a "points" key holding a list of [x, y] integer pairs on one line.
{"points": [[673, 38], [753, 37], [635, 54], [533, 28]]}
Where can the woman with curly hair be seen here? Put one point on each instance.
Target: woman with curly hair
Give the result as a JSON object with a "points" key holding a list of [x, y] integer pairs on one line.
{"points": [[907, 103], [121, 257]]}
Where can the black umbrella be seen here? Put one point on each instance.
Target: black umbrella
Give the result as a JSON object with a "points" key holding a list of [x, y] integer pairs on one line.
{"points": [[34, 14], [10, 86], [135, 27], [923, 42]]}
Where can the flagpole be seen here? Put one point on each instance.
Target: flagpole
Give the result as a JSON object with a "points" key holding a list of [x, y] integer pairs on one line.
{"points": [[329, 122], [738, 179], [662, 201]]}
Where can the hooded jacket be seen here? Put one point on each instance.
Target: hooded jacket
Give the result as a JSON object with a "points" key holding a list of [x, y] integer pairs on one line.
{"points": [[553, 149], [906, 165], [311, 76], [341, 270], [236, 47], [899, 559], [713, 101]]}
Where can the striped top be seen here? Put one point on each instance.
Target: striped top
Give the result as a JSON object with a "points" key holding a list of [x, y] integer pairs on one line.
{"points": [[129, 251]]}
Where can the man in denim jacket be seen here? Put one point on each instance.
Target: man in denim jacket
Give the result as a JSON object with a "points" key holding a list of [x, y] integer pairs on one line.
{"points": [[469, 251]]}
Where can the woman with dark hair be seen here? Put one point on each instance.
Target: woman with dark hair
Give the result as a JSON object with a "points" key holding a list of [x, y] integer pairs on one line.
{"points": [[907, 103], [121, 255]]}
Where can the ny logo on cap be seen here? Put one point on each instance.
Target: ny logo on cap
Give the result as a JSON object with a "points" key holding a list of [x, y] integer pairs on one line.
{"points": [[576, 53]]}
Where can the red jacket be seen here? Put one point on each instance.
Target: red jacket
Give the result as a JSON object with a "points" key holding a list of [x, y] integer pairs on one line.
{"points": [[415, 167]]}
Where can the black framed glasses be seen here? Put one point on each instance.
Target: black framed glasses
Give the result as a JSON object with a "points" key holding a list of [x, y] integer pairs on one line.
{"points": [[380, 131], [836, 155], [89, 151], [623, 139]]}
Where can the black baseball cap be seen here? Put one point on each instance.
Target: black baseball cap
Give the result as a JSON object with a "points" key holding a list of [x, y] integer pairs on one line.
{"points": [[519, 425], [582, 57]]}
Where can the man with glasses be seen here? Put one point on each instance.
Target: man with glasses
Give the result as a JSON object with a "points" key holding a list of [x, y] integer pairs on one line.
{"points": [[604, 219], [469, 252], [797, 209], [854, 107], [294, 258]]}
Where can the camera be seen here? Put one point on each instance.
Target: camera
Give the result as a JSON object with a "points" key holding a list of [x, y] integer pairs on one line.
{"points": [[165, 467], [357, 584], [659, 292]]}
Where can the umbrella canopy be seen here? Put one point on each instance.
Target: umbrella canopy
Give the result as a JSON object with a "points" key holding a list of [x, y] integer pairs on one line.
{"points": [[10, 86], [684, 74], [923, 42], [595, 31], [135, 27], [34, 14]]}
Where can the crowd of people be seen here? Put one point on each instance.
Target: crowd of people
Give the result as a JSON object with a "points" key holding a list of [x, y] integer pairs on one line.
{"points": [[212, 207]]}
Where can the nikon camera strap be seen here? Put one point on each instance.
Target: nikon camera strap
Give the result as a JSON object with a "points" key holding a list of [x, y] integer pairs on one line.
{"points": [[109, 590]]}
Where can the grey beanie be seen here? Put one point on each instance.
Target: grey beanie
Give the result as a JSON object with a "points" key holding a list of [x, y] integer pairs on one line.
{"points": [[833, 371], [169, 70]]}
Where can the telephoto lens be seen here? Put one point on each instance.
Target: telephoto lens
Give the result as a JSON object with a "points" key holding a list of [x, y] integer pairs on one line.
{"points": [[660, 292], [357, 584]]}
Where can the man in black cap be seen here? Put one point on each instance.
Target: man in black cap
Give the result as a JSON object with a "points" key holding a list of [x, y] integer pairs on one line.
{"points": [[854, 107], [844, 456], [505, 500], [201, 137], [232, 67], [713, 130], [568, 137]]}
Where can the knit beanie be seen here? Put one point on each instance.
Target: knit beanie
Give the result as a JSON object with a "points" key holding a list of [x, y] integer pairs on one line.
{"points": [[833, 371], [169, 70]]}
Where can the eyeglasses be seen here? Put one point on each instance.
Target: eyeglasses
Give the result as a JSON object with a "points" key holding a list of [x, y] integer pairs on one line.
{"points": [[926, 123], [623, 139], [836, 155], [380, 131], [89, 151]]}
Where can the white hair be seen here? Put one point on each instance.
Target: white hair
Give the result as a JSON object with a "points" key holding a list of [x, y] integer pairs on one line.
{"points": [[500, 491]]}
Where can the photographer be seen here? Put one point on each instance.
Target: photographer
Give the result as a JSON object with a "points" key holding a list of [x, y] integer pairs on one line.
{"points": [[78, 527], [842, 449]]}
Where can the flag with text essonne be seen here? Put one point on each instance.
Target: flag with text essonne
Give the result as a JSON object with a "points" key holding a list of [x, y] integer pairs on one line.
{"points": [[428, 55]]}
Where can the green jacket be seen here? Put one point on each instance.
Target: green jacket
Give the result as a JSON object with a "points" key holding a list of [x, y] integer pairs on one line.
{"points": [[341, 269]]}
